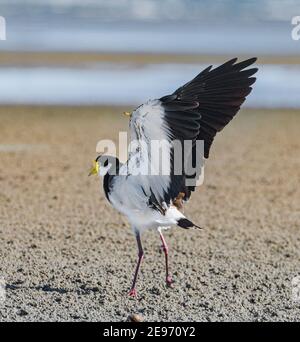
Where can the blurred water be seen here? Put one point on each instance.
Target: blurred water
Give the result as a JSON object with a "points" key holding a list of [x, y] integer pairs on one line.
{"points": [[174, 26], [277, 85], [231, 27]]}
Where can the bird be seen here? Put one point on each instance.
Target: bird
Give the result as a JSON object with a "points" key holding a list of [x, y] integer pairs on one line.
{"points": [[195, 112]]}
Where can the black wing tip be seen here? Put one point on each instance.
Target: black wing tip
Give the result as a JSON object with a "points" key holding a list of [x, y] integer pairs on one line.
{"points": [[187, 224], [253, 71], [239, 65], [246, 63], [250, 60], [231, 61]]}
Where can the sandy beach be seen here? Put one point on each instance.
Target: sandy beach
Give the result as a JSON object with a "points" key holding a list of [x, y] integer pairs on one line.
{"points": [[66, 255], [70, 59]]}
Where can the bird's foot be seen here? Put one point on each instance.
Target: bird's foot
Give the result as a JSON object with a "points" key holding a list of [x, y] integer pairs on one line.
{"points": [[169, 281], [132, 293]]}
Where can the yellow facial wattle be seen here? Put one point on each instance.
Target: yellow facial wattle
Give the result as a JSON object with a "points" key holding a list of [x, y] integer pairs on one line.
{"points": [[94, 169]]}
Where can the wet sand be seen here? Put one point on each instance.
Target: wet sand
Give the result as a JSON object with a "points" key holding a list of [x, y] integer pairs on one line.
{"points": [[70, 59], [67, 255]]}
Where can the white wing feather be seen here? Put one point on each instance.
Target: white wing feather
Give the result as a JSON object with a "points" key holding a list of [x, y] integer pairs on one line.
{"points": [[146, 125]]}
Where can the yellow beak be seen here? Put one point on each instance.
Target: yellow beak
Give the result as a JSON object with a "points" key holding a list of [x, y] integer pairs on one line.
{"points": [[127, 114], [94, 169]]}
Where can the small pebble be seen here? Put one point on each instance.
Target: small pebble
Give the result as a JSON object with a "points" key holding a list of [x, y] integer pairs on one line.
{"points": [[134, 318]]}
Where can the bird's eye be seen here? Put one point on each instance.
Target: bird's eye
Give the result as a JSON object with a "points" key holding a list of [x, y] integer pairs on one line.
{"points": [[105, 163]]}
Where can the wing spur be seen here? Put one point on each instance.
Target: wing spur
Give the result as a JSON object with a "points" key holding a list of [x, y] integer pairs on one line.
{"points": [[196, 111]]}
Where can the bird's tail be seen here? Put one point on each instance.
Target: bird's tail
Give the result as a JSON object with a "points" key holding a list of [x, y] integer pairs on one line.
{"points": [[187, 224]]}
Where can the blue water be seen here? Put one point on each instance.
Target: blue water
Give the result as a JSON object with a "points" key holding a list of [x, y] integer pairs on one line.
{"points": [[122, 84], [231, 27], [173, 26]]}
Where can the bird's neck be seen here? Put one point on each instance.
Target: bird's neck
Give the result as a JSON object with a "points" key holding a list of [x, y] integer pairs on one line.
{"points": [[106, 182], [107, 179]]}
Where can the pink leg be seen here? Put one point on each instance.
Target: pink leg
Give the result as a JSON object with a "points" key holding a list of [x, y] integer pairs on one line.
{"points": [[132, 292], [169, 279]]}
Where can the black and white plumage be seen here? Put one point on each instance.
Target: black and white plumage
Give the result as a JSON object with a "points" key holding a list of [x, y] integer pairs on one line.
{"points": [[196, 111]]}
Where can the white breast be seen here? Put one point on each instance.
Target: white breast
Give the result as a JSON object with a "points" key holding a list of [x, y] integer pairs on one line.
{"points": [[132, 203]]}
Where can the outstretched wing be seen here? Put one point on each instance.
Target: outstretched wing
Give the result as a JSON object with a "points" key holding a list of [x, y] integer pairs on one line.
{"points": [[194, 112], [219, 93]]}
